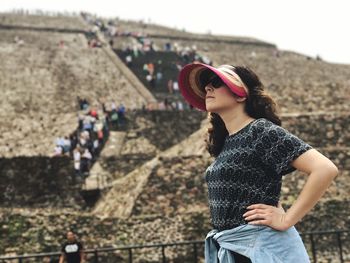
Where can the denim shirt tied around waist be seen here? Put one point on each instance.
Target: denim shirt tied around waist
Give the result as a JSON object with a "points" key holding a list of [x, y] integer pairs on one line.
{"points": [[261, 244]]}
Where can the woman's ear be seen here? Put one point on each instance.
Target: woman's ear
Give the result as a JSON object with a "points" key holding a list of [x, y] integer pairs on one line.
{"points": [[240, 99]]}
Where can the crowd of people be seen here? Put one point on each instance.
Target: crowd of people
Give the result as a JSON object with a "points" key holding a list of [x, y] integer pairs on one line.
{"points": [[85, 144], [166, 104], [153, 71]]}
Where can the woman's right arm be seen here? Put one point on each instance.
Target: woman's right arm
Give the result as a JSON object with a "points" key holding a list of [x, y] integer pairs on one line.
{"points": [[321, 172]]}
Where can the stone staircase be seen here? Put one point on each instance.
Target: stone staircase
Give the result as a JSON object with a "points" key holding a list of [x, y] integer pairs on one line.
{"points": [[98, 177], [164, 62]]}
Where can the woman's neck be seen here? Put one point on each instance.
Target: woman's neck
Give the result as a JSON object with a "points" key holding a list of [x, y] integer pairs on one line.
{"points": [[234, 121]]}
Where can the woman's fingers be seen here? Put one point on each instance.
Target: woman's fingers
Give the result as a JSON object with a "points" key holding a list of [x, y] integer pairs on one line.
{"points": [[261, 214], [259, 222], [254, 211], [256, 216], [258, 206]]}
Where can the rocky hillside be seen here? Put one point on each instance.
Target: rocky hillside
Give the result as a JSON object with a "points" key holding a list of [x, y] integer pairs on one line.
{"points": [[40, 21], [42, 73]]}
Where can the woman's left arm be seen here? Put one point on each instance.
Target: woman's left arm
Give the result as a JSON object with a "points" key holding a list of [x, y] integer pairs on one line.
{"points": [[321, 172]]}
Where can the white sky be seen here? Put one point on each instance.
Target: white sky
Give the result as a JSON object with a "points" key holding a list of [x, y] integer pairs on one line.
{"points": [[309, 27]]}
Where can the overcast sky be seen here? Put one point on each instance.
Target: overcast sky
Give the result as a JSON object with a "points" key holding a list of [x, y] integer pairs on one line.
{"points": [[309, 27]]}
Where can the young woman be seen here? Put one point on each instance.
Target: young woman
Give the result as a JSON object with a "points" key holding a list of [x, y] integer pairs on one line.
{"points": [[252, 153]]}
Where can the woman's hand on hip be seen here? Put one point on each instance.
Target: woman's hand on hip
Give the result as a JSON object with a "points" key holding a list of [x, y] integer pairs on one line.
{"points": [[261, 214]]}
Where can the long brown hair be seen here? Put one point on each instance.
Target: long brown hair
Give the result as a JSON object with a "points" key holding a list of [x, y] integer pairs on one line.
{"points": [[258, 105]]}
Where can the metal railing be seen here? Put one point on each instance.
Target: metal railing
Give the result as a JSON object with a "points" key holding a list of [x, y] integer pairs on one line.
{"points": [[339, 242], [97, 251], [308, 237]]}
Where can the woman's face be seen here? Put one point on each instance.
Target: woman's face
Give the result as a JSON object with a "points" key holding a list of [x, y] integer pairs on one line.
{"points": [[219, 97]]}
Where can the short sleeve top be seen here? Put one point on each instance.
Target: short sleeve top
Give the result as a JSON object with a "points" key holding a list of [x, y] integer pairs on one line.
{"points": [[72, 251], [249, 170]]}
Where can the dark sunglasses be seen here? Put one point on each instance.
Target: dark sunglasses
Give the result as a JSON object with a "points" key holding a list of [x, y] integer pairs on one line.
{"points": [[208, 77], [216, 82]]}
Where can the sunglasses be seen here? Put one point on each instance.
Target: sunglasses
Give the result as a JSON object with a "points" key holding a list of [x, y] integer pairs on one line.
{"points": [[214, 81]]}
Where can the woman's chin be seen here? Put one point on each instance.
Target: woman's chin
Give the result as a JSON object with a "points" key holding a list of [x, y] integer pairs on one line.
{"points": [[209, 105], [211, 108]]}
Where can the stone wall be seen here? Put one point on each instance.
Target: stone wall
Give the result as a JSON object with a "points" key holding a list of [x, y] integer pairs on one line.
{"points": [[147, 134], [39, 182], [164, 129], [175, 186], [327, 130]]}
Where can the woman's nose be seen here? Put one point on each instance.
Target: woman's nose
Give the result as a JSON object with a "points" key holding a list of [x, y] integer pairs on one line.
{"points": [[208, 88]]}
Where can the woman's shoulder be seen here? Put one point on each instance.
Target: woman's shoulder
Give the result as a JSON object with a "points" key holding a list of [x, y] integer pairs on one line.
{"points": [[264, 126], [263, 123]]}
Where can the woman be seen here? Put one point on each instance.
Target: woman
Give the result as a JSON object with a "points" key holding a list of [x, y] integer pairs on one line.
{"points": [[251, 152]]}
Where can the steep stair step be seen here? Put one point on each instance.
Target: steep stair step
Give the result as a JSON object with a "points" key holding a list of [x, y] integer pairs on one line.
{"points": [[98, 178]]}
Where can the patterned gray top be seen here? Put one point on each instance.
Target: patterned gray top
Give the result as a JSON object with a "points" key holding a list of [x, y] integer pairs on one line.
{"points": [[249, 170]]}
